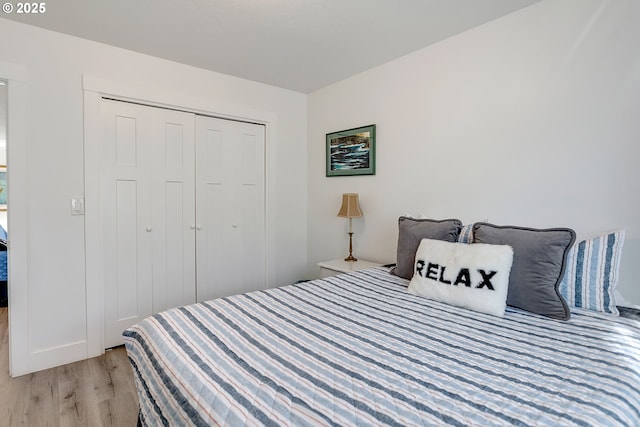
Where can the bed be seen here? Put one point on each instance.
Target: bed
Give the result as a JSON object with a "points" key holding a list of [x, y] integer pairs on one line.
{"points": [[358, 349]]}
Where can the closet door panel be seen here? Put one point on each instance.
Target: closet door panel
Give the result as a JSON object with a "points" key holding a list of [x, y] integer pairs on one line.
{"points": [[173, 195], [125, 197], [213, 170], [250, 222], [230, 243]]}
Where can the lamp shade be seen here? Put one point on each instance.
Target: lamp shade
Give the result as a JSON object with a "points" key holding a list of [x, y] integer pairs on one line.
{"points": [[350, 207]]}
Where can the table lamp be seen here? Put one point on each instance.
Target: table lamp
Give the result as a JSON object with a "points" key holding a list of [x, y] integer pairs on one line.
{"points": [[350, 209]]}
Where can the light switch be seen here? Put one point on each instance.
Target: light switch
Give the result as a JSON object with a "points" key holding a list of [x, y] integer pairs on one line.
{"points": [[77, 206]]}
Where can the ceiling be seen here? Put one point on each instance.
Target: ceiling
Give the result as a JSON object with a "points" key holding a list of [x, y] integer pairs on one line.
{"points": [[302, 45]]}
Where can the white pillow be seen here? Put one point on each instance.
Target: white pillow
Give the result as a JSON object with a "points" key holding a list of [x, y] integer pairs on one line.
{"points": [[471, 276]]}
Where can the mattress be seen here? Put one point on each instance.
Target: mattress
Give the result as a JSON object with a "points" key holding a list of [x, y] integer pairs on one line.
{"points": [[357, 349]]}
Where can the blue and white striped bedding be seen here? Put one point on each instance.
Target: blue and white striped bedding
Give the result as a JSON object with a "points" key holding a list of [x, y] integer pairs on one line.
{"points": [[357, 349]]}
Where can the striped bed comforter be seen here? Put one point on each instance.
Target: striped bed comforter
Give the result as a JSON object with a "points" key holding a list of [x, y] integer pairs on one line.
{"points": [[357, 349]]}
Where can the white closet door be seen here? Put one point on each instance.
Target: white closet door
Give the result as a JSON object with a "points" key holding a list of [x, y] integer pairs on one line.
{"points": [[173, 213], [147, 194], [126, 200], [230, 207]]}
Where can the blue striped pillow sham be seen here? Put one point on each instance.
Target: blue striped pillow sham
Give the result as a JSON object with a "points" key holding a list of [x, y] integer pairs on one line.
{"points": [[466, 234], [591, 273]]}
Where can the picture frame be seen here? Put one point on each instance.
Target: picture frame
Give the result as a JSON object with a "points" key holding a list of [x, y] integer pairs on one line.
{"points": [[3, 187], [351, 152]]}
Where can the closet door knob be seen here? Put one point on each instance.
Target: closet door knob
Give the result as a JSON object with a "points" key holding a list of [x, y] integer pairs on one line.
{"points": [[192, 226], [148, 229], [234, 225], [199, 227]]}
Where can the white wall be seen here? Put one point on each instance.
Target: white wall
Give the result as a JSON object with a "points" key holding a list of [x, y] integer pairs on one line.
{"points": [[532, 119], [55, 64]]}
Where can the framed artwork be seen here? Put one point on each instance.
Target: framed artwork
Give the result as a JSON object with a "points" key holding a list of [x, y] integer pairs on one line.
{"points": [[352, 152], [3, 187]]}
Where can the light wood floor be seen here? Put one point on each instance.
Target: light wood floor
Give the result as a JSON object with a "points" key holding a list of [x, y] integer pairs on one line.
{"points": [[95, 392]]}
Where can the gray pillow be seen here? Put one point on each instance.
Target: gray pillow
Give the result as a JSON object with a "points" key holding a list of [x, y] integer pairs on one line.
{"points": [[539, 258], [411, 231]]}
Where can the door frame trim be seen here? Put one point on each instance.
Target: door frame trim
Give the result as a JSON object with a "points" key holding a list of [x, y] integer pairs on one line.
{"points": [[94, 89], [22, 358]]}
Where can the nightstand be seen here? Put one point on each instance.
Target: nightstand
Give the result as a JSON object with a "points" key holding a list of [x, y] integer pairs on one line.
{"points": [[337, 266]]}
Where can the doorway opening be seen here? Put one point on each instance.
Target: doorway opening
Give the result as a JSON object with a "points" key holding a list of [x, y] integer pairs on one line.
{"points": [[3, 194]]}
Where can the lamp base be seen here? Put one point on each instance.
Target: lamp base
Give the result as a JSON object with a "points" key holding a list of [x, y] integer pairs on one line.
{"points": [[350, 258]]}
